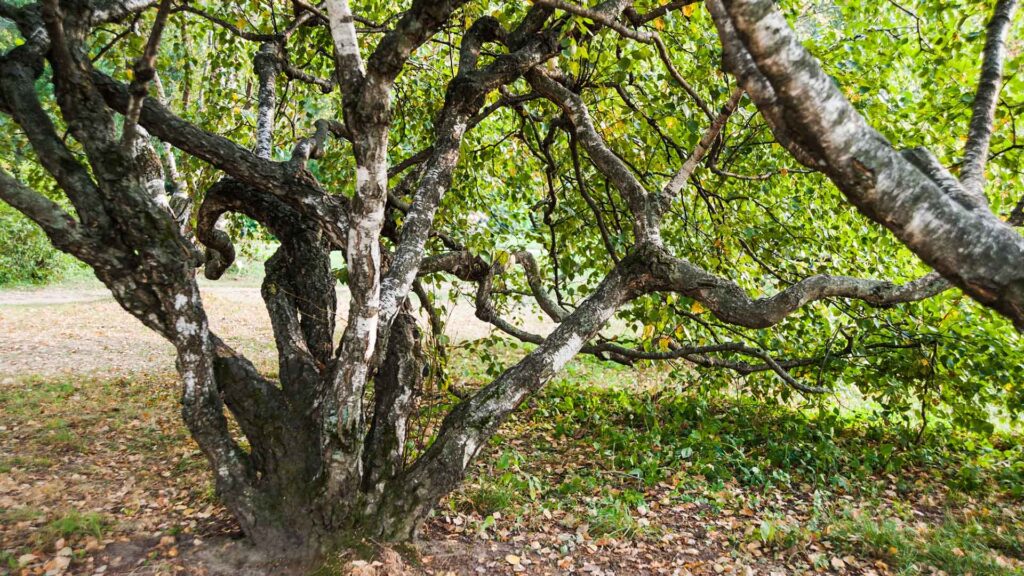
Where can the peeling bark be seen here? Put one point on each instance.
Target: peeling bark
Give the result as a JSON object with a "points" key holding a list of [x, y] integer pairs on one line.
{"points": [[398, 381]]}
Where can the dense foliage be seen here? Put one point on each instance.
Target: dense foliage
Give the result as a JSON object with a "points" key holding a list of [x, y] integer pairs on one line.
{"points": [[26, 256]]}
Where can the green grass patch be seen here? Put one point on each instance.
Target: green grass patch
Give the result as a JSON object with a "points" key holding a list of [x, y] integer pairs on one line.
{"points": [[489, 497], [28, 462], [75, 523], [8, 560], [613, 518], [654, 435], [23, 514], [60, 436], [955, 546]]}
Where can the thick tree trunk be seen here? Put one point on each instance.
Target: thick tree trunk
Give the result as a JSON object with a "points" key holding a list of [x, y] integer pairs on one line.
{"points": [[288, 508]]}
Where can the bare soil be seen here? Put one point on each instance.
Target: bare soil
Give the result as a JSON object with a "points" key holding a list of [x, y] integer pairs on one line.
{"points": [[82, 330]]}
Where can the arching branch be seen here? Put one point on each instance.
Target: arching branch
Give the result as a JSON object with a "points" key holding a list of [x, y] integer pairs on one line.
{"points": [[730, 303], [467, 427], [60, 227], [18, 71]]}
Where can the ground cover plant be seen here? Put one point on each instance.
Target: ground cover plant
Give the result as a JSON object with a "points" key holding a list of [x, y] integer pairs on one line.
{"points": [[666, 184]]}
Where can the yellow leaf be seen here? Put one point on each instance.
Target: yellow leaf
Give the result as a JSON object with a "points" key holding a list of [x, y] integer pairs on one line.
{"points": [[240, 23], [688, 9], [659, 23], [648, 331], [697, 308], [663, 343]]}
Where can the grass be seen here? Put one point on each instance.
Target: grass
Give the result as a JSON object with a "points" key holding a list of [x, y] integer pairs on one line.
{"points": [[34, 462], [635, 439], [9, 560], [613, 518], [647, 426], [954, 545], [21, 514], [61, 437], [777, 533], [74, 524], [650, 436], [489, 497], [29, 399]]}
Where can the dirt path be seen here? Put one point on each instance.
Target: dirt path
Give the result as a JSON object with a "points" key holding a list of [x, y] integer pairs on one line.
{"points": [[80, 330]]}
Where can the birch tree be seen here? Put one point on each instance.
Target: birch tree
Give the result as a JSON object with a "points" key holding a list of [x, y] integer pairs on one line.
{"points": [[591, 160]]}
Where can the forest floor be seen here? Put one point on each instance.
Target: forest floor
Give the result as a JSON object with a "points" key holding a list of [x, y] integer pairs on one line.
{"points": [[610, 471]]}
